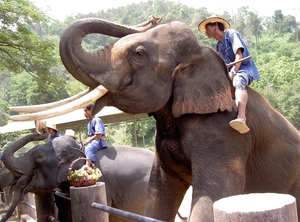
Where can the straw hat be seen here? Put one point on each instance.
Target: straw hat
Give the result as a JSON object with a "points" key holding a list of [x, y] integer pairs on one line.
{"points": [[39, 125], [51, 126], [71, 133], [213, 19]]}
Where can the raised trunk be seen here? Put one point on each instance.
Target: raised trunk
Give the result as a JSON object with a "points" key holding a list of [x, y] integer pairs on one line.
{"points": [[23, 164], [80, 63]]}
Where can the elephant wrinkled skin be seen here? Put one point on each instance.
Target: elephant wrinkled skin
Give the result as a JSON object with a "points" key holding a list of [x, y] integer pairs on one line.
{"points": [[125, 171], [185, 86]]}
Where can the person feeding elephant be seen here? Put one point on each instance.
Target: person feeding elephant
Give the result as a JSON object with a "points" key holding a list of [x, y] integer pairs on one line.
{"points": [[96, 134], [53, 131], [232, 47]]}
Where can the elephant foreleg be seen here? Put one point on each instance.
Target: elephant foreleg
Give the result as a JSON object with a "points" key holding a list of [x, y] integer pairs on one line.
{"points": [[165, 195], [213, 180], [21, 184]]}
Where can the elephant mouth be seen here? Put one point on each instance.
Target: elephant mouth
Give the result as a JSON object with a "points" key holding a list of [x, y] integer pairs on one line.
{"points": [[58, 108], [125, 82], [35, 185]]}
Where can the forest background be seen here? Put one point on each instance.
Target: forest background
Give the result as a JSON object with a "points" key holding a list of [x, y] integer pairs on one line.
{"points": [[31, 71]]}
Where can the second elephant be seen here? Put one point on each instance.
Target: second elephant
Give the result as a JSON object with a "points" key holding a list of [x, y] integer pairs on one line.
{"points": [[124, 169]]}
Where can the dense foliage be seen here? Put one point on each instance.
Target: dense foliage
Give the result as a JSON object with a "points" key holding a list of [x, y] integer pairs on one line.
{"points": [[31, 71]]}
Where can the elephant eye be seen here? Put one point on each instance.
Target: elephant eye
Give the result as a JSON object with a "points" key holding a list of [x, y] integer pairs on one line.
{"points": [[39, 156], [140, 53]]}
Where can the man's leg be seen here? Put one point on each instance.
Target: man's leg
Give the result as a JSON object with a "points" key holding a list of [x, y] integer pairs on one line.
{"points": [[241, 99], [240, 82], [90, 150]]}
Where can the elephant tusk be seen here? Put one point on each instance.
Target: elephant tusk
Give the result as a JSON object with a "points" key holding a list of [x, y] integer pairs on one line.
{"points": [[42, 107], [66, 108]]}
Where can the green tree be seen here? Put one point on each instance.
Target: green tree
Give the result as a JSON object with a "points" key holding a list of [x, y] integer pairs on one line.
{"points": [[277, 73], [23, 92], [20, 47], [238, 21], [282, 23], [288, 102], [3, 114], [254, 23]]}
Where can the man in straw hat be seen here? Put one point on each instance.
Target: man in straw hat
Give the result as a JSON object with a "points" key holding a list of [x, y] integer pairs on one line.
{"points": [[53, 131], [71, 133], [232, 47]]}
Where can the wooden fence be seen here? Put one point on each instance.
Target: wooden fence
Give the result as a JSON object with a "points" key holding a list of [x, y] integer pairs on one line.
{"points": [[89, 204]]}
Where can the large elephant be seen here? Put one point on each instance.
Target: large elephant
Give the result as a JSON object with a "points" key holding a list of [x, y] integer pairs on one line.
{"points": [[125, 171], [185, 87]]}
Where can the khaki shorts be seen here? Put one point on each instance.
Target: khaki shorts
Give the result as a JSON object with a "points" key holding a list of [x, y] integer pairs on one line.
{"points": [[241, 80]]}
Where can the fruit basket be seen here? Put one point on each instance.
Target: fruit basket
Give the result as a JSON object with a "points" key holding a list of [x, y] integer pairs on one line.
{"points": [[85, 176]]}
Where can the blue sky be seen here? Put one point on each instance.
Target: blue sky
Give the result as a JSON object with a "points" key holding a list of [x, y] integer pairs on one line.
{"points": [[60, 9]]}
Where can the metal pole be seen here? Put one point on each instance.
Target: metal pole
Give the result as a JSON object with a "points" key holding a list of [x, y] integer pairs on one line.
{"points": [[125, 214], [52, 219]]}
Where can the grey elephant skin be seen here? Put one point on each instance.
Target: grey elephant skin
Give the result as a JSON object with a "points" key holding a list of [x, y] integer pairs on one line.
{"points": [[125, 171], [184, 85]]}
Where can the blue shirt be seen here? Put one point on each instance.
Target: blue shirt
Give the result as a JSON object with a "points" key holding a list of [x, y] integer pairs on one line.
{"points": [[232, 41], [96, 126], [57, 134]]}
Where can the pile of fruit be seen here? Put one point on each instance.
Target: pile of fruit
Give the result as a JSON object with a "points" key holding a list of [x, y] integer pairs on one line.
{"points": [[85, 173]]}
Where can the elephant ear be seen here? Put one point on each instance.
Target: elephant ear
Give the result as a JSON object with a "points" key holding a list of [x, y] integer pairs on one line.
{"points": [[202, 86], [64, 164]]}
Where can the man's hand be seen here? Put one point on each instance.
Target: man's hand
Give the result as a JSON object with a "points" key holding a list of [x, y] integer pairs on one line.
{"points": [[84, 143], [231, 74], [102, 137]]}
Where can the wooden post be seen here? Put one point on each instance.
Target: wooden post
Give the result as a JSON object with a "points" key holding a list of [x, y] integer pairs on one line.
{"points": [[81, 200], [45, 206], [265, 207], [27, 206], [135, 134], [27, 218], [7, 196]]}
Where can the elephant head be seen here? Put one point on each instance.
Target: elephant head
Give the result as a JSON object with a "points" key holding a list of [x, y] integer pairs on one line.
{"points": [[42, 161], [168, 56], [39, 170]]}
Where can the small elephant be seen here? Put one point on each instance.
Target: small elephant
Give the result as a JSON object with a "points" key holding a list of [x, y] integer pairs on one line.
{"points": [[124, 169], [8, 179], [165, 72]]}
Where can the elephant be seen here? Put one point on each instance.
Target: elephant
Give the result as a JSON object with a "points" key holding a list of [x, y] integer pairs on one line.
{"points": [[184, 85], [124, 169], [7, 179]]}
